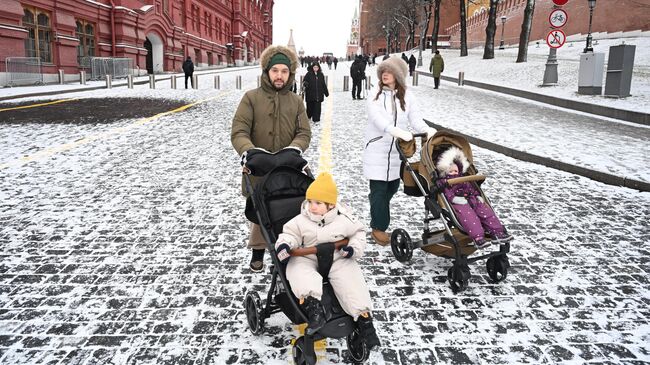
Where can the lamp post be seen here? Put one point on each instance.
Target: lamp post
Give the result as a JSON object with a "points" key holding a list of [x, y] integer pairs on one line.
{"points": [[387, 38], [503, 27], [592, 5]]}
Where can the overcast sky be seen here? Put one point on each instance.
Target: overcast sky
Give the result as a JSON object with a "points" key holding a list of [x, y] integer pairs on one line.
{"points": [[318, 26]]}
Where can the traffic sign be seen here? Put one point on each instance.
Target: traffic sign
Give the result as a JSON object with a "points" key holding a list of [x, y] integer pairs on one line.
{"points": [[555, 38], [560, 2], [558, 18]]}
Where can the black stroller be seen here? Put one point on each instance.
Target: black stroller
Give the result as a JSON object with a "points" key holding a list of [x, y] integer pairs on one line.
{"points": [[451, 242], [274, 200]]}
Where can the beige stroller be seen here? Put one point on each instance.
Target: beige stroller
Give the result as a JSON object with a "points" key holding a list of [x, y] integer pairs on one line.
{"points": [[450, 242]]}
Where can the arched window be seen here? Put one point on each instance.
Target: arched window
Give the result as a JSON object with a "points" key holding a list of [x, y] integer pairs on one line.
{"points": [[86, 37], [39, 40]]}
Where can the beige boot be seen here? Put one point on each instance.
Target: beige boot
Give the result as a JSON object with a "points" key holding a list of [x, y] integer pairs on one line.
{"points": [[382, 238]]}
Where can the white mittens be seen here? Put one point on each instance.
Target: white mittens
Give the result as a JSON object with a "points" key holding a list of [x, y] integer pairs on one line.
{"points": [[398, 132]]}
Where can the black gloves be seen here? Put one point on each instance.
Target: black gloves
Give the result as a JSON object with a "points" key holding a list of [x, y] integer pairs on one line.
{"points": [[346, 251], [283, 253]]}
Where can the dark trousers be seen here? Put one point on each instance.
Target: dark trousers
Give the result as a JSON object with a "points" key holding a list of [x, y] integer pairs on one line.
{"points": [[191, 80], [436, 82], [381, 192], [356, 88], [313, 110]]}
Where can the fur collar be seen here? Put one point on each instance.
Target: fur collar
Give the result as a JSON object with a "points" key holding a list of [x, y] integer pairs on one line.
{"points": [[450, 156]]}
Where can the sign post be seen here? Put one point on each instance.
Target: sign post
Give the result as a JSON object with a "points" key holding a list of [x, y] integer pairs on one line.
{"points": [[554, 39]]}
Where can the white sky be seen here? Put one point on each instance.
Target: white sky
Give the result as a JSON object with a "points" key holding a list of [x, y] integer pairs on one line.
{"points": [[318, 26]]}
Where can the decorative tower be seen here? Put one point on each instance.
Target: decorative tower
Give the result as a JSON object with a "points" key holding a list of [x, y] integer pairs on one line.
{"points": [[291, 44], [353, 43]]}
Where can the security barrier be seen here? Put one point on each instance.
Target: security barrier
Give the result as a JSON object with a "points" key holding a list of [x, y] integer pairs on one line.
{"points": [[24, 70], [102, 66]]}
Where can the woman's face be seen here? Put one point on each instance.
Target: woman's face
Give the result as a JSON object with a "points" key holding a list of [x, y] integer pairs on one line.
{"points": [[315, 68], [388, 79]]}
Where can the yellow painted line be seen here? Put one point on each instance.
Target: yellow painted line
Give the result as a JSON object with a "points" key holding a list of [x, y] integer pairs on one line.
{"points": [[50, 151], [325, 147], [37, 105]]}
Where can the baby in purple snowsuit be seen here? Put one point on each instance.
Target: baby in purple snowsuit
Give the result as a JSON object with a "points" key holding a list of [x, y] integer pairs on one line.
{"points": [[476, 217]]}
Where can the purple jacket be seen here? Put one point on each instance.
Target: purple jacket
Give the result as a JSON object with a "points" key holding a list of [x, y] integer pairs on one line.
{"points": [[466, 190]]}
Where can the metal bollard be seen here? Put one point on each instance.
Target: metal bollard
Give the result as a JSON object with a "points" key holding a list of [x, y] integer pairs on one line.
{"points": [[61, 77], [259, 81], [461, 78], [173, 81], [82, 77], [195, 82], [346, 83], [109, 82], [415, 79], [301, 80], [368, 82], [152, 81], [238, 82], [217, 82], [129, 81], [326, 80]]}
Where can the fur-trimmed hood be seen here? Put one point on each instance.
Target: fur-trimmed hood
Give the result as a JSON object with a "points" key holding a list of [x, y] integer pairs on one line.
{"points": [[271, 50], [453, 155], [397, 67]]}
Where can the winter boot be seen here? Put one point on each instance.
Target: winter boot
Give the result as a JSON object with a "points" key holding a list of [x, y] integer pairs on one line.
{"points": [[257, 261], [315, 315], [368, 332]]}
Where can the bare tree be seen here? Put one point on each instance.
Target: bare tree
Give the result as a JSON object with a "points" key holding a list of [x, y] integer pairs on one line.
{"points": [[490, 30], [425, 11], [463, 29], [522, 55], [436, 25]]}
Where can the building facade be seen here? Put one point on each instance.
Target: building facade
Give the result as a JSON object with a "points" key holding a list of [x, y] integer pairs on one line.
{"points": [[157, 35]]}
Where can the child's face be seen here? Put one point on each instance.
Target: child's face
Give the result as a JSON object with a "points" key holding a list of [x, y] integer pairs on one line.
{"points": [[318, 207], [452, 170]]}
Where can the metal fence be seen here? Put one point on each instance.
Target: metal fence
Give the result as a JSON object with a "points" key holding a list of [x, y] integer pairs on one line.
{"points": [[24, 70], [102, 66]]}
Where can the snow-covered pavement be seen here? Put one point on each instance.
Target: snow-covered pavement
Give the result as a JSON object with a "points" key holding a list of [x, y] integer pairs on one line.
{"points": [[128, 247]]}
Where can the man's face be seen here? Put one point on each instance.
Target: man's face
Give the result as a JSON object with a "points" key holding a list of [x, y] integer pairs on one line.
{"points": [[279, 75]]}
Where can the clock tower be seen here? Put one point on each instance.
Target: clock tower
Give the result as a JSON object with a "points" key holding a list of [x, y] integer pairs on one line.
{"points": [[353, 42]]}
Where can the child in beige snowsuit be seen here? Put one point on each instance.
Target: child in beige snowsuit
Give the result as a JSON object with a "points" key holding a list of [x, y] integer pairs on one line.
{"points": [[322, 220]]}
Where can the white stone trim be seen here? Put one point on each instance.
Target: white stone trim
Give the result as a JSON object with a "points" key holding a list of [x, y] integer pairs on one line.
{"points": [[67, 37], [13, 28]]}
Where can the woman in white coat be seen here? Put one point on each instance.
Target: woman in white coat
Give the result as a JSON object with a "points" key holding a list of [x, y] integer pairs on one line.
{"points": [[392, 111]]}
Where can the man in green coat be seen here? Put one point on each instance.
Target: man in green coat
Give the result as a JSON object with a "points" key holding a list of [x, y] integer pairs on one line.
{"points": [[436, 67], [270, 117]]}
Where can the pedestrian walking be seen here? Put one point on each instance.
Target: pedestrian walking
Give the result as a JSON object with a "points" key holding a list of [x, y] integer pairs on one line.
{"points": [[272, 118], [188, 70], [315, 91], [336, 62], [358, 74], [328, 60], [392, 109], [412, 63], [406, 59], [436, 67]]}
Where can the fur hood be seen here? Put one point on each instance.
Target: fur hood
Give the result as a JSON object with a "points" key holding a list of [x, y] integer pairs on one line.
{"points": [[270, 51], [397, 67], [451, 156]]}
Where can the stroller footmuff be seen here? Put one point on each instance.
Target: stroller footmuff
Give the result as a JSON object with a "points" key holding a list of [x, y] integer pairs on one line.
{"points": [[452, 241], [273, 201]]}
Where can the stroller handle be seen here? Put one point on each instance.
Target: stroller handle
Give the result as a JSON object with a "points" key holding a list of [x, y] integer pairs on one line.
{"points": [[416, 135], [312, 250], [462, 179]]}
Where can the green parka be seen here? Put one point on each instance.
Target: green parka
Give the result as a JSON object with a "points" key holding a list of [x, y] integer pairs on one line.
{"points": [[437, 65], [269, 118]]}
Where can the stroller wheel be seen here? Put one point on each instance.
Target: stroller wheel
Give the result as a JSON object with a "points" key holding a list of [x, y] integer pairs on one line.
{"points": [[253, 307], [299, 354], [497, 268], [401, 245], [357, 348], [458, 277]]}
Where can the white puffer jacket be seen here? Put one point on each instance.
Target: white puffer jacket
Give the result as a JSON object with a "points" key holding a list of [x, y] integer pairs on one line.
{"points": [[380, 158], [307, 229]]}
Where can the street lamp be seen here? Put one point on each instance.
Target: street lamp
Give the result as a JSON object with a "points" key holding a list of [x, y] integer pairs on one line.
{"points": [[503, 27], [592, 5], [387, 38]]}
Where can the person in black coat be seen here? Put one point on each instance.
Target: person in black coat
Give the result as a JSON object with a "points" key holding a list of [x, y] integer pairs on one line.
{"points": [[336, 62], [357, 73], [188, 69], [406, 59], [412, 63], [315, 91]]}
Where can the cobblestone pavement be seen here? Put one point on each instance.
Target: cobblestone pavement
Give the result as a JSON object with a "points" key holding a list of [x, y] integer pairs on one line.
{"points": [[128, 249]]}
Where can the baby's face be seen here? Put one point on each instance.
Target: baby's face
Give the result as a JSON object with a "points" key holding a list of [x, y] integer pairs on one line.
{"points": [[318, 207], [452, 170]]}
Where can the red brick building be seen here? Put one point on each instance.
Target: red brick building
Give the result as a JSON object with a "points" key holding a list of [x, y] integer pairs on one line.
{"points": [[156, 34]]}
